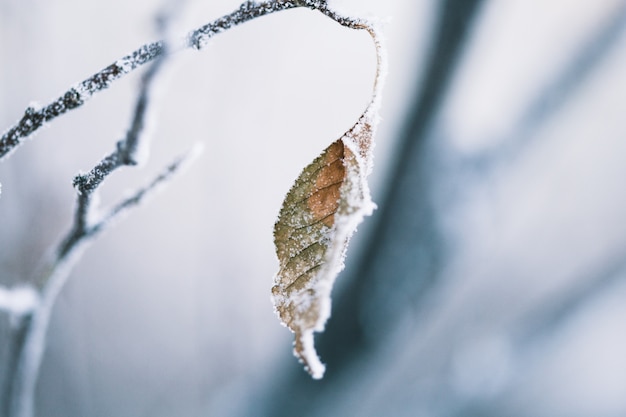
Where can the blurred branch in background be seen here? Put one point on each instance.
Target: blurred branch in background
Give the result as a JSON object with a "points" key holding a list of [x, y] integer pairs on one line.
{"points": [[558, 91]]}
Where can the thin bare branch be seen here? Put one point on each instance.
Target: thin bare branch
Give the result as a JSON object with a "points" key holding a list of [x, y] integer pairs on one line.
{"points": [[125, 154], [34, 118], [34, 341], [140, 195]]}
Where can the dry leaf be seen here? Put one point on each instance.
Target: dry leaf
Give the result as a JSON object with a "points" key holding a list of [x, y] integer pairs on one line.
{"points": [[317, 219], [319, 215]]}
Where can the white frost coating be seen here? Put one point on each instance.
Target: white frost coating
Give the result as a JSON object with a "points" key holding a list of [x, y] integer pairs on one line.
{"points": [[34, 106], [125, 64], [18, 301], [313, 364]]}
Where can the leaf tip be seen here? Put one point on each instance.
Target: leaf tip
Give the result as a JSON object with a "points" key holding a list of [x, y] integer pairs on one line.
{"points": [[304, 350]]}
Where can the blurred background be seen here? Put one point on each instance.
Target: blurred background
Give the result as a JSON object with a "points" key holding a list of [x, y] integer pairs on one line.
{"points": [[491, 280]]}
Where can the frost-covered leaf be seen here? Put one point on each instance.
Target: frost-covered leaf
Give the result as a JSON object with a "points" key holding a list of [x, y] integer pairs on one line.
{"points": [[319, 215], [317, 219]]}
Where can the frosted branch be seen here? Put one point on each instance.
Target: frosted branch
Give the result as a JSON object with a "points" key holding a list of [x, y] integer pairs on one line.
{"points": [[30, 360], [175, 167], [125, 154], [36, 117]]}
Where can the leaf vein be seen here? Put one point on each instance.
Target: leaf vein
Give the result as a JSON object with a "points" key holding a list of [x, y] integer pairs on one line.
{"points": [[301, 276], [295, 229], [292, 207]]}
